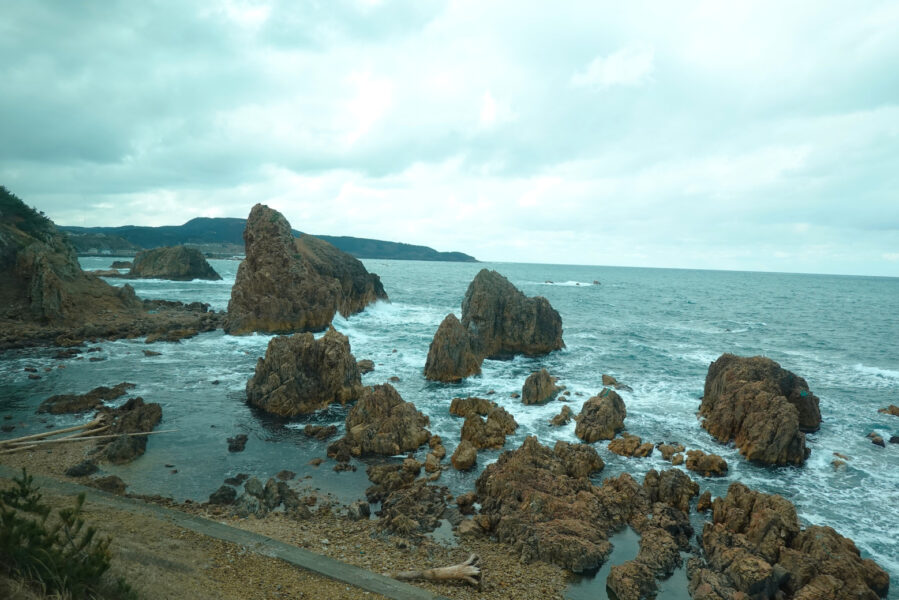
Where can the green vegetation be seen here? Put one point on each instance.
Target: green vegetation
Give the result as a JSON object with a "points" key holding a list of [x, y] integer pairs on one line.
{"points": [[56, 551], [17, 213]]}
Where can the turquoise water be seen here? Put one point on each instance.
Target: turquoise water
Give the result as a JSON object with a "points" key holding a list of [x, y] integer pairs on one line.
{"points": [[655, 330]]}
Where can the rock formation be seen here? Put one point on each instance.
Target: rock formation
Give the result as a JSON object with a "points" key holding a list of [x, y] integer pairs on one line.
{"points": [[134, 416], [381, 423], [490, 433], [465, 456], [631, 445], [761, 407], [562, 418], [755, 546], [498, 321], [177, 263], [286, 285], [504, 322], [465, 407], [300, 374], [450, 356], [74, 403], [46, 298], [602, 416], [707, 465], [539, 388], [892, 409]]}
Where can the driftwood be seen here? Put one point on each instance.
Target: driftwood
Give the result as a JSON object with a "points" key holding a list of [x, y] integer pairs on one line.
{"points": [[85, 438], [46, 434], [468, 571]]}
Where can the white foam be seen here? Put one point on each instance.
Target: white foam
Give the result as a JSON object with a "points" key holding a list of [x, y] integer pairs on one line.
{"points": [[877, 372]]}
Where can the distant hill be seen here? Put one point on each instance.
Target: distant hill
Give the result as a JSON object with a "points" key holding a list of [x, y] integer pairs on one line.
{"points": [[205, 231]]}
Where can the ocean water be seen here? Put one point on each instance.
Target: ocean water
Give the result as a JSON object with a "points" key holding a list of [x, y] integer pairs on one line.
{"points": [[656, 330]]}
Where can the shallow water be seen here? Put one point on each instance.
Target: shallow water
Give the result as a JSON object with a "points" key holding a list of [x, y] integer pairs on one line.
{"points": [[655, 330]]}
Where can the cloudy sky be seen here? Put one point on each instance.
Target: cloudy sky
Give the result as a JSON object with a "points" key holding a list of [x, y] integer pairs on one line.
{"points": [[725, 135]]}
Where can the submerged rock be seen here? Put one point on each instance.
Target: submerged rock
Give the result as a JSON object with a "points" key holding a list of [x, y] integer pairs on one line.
{"points": [[602, 416], [763, 408], [450, 356], [73, 403], [176, 263], [237, 443], [504, 322], [539, 388], [287, 285], [382, 423], [300, 374]]}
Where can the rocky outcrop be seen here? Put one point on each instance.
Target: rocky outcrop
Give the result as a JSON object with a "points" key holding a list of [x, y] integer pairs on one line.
{"points": [[287, 285], [530, 500], [504, 322], [450, 356], [602, 416], [74, 403], [465, 456], [414, 509], [755, 546], [490, 433], [563, 418], [134, 416], [465, 407], [381, 423], [609, 381], [177, 263], [631, 445], [539, 388], [300, 374], [763, 408], [892, 409], [707, 465], [46, 299]]}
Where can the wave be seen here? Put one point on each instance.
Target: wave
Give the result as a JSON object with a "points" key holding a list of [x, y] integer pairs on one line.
{"points": [[876, 371]]}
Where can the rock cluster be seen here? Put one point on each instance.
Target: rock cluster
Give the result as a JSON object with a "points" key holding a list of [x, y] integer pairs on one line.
{"points": [[177, 263], [498, 321], [381, 423], [602, 416], [763, 408], [539, 388], [490, 433], [134, 416], [300, 374], [75, 403], [631, 445], [755, 546], [287, 285], [707, 465]]}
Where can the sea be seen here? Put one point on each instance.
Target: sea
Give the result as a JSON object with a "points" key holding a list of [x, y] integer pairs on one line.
{"points": [[656, 330]]}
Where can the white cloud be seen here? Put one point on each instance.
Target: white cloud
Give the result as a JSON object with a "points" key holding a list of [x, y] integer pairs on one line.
{"points": [[629, 66], [488, 110]]}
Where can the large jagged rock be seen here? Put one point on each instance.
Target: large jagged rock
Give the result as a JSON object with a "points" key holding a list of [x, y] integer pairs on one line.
{"points": [[763, 408], [45, 297], [490, 433], [40, 278], [465, 407], [532, 502], [539, 388], [381, 423], [450, 356], [177, 263], [74, 403], [300, 374], [602, 416], [755, 545], [504, 322], [414, 509], [287, 285]]}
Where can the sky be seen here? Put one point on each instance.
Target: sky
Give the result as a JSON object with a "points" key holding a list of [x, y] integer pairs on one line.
{"points": [[720, 135]]}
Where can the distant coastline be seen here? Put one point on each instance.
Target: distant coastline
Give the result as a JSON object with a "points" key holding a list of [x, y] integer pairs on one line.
{"points": [[223, 238]]}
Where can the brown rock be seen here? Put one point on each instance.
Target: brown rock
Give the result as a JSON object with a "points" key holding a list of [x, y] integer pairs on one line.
{"points": [[631, 445], [539, 388], [286, 285], [132, 417], [382, 423], [677, 459], [177, 263], [300, 374], [892, 409], [609, 381], [707, 465], [562, 418], [73, 403], [602, 416], [320, 432], [415, 509], [631, 580], [579, 460], [432, 463], [111, 483], [465, 502], [465, 407], [465, 456], [365, 366], [705, 502], [669, 450], [761, 407], [672, 487], [503, 322], [387, 478], [451, 356], [877, 440]]}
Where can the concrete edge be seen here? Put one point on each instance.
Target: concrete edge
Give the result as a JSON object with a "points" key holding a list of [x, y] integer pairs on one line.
{"points": [[260, 544]]}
